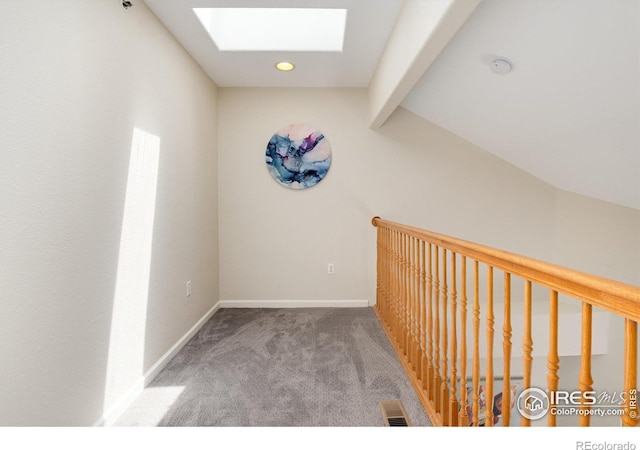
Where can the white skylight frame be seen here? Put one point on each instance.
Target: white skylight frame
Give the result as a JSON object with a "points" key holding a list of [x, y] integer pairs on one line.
{"points": [[275, 29]]}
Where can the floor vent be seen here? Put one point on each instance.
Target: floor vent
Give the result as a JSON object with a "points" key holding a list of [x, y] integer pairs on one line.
{"points": [[394, 414]]}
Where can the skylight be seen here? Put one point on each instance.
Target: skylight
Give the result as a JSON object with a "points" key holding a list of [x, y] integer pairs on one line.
{"points": [[275, 29]]}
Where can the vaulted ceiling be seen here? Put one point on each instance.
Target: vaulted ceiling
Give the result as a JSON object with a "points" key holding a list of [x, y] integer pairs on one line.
{"points": [[568, 112]]}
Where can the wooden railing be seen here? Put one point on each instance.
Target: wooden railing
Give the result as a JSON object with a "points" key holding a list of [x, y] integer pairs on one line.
{"points": [[429, 286]]}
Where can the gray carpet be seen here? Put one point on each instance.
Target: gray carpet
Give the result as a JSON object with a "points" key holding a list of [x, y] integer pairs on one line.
{"points": [[279, 367]]}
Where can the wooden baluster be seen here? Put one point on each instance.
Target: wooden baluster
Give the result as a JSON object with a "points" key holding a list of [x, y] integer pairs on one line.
{"points": [[379, 251], [398, 296], [630, 417], [490, 331], [476, 346], [420, 283], [398, 300], [444, 382], [413, 297], [506, 345], [381, 272], [399, 292], [390, 281], [410, 330], [401, 331], [416, 310], [436, 329], [409, 306], [423, 317], [390, 285], [453, 398], [406, 297], [381, 275], [430, 363], [394, 284], [407, 300], [387, 277], [585, 382], [463, 419], [553, 361], [527, 345], [378, 267]]}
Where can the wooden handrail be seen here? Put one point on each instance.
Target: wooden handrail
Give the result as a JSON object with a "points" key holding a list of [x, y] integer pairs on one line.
{"points": [[619, 298], [422, 304]]}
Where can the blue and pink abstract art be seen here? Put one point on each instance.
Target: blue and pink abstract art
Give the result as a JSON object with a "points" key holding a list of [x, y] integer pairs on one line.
{"points": [[298, 156]]}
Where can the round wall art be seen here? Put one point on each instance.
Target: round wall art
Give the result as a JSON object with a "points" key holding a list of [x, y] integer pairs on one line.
{"points": [[298, 156]]}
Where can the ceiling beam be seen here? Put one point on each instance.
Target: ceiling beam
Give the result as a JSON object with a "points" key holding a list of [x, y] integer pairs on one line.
{"points": [[422, 31]]}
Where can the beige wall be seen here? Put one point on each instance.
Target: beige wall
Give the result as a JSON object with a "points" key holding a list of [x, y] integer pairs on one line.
{"points": [[91, 297], [597, 237], [275, 243]]}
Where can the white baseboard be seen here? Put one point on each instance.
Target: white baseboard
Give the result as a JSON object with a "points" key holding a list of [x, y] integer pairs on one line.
{"points": [[294, 303], [112, 414]]}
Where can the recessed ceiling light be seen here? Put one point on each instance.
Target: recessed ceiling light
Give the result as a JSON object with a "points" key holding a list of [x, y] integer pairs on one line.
{"points": [[285, 66], [275, 29]]}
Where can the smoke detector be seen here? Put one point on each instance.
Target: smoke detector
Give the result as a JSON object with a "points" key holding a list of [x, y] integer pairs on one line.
{"points": [[500, 66]]}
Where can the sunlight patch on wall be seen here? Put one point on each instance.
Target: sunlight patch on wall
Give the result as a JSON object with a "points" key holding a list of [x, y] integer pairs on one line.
{"points": [[128, 321]]}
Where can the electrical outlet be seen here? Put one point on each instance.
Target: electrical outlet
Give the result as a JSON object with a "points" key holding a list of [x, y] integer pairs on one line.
{"points": [[189, 288], [331, 269]]}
